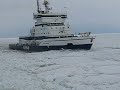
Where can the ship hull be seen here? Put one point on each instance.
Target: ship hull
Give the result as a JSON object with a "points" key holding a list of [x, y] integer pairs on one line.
{"points": [[46, 48]]}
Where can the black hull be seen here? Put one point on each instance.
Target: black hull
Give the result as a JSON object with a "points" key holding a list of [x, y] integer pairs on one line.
{"points": [[46, 48]]}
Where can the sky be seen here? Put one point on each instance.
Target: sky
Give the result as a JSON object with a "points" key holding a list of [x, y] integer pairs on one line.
{"points": [[97, 16]]}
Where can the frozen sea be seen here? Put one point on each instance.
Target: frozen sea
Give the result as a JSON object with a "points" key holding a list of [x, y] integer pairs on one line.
{"points": [[96, 69]]}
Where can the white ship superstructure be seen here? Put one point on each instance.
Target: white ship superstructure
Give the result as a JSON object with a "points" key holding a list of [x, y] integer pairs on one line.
{"points": [[51, 32]]}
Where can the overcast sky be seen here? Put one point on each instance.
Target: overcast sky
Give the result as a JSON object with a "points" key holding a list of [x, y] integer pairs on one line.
{"points": [[97, 16]]}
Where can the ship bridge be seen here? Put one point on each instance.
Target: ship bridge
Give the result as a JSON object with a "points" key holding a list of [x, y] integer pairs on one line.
{"points": [[49, 18], [50, 14]]}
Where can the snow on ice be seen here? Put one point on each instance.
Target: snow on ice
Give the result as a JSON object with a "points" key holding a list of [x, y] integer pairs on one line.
{"points": [[96, 69]]}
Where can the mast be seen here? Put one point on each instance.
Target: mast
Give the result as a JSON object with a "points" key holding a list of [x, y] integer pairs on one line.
{"points": [[38, 6]]}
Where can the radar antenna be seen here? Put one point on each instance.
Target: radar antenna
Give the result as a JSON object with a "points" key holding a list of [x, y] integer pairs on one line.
{"points": [[46, 3]]}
